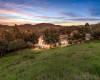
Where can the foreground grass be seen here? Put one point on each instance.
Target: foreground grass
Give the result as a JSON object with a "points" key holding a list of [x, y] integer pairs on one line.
{"points": [[77, 62]]}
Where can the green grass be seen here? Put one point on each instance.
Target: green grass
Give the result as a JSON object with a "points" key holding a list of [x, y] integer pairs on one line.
{"points": [[76, 62]]}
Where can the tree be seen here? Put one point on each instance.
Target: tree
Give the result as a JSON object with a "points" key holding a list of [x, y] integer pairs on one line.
{"points": [[16, 32], [51, 36], [30, 38], [96, 34], [12, 34], [16, 44], [8, 36], [3, 47], [88, 28], [76, 38], [87, 25]]}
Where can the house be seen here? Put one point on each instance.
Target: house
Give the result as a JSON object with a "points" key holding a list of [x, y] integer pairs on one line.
{"points": [[41, 44], [88, 37], [63, 40]]}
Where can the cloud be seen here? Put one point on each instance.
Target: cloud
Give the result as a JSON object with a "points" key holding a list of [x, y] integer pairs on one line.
{"points": [[84, 19], [13, 16], [15, 4], [70, 14], [32, 11], [30, 7]]}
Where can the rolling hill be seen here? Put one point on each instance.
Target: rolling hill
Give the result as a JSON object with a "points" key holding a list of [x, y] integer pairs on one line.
{"points": [[76, 62]]}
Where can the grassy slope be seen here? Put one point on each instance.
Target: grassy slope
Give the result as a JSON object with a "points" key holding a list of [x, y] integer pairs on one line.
{"points": [[77, 62]]}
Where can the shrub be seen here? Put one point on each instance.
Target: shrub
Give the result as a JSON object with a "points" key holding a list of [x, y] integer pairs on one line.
{"points": [[76, 38], [51, 36], [30, 44], [16, 44], [30, 38], [3, 47], [12, 34], [96, 34], [8, 36]]}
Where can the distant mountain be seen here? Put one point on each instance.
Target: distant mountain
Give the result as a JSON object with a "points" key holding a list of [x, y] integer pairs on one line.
{"points": [[41, 25], [38, 27], [33, 28]]}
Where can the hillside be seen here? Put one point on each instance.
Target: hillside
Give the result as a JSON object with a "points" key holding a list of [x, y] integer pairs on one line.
{"points": [[76, 62], [38, 28], [33, 28]]}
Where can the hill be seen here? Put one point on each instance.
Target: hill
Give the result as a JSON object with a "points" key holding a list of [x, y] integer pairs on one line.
{"points": [[39, 28], [33, 28], [76, 62]]}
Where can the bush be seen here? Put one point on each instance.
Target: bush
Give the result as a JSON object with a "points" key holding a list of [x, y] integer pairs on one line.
{"points": [[96, 35], [51, 36], [3, 47], [32, 38], [30, 44], [16, 44], [76, 38]]}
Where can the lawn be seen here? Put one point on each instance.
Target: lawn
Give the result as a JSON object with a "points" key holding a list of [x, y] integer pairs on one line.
{"points": [[76, 62]]}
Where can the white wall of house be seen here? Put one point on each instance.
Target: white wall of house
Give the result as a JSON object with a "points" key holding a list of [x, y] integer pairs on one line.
{"points": [[87, 36], [63, 40], [41, 43], [64, 43]]}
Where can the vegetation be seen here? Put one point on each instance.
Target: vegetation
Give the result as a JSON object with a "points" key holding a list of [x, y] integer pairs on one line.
{"points": [[16, 44], [87, 28], [76, 37], [13, 38], [96, 35], [51, 36], [76, 62], [3, 47], [30, 39]]}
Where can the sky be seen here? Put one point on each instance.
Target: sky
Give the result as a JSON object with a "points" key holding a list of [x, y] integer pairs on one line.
{"points": [[60, 12]]}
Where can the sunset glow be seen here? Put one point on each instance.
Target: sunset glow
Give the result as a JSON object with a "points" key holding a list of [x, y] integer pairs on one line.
{"points": [[63, 12]]}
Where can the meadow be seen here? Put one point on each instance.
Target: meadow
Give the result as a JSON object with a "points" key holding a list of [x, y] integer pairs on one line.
{"points": [[75, 62]]}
